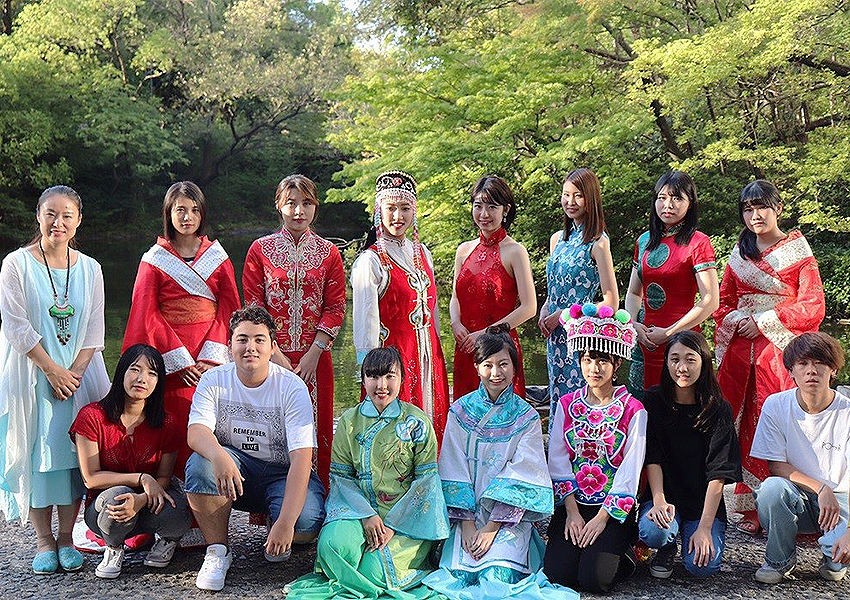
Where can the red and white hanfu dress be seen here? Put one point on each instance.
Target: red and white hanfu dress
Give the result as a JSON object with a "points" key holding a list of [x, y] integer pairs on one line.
{"points": [[783, 293], [182, 308], [302, 285], [397, 306]]}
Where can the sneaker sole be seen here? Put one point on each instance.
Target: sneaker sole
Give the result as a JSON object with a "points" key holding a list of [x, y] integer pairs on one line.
{"points": [[658, 574], [157, 563], [209, 586], [103, 575], [830, 575], [73, 569]]}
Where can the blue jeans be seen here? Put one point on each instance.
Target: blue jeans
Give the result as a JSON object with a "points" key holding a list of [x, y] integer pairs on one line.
{"points": [[655, 537], [786, 510], [262, 490]]}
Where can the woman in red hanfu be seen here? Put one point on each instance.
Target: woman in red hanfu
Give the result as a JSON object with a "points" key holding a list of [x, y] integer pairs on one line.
{"points": [[771, 293], [298, 277], [184, 295], [395, 298], [492, 283]]}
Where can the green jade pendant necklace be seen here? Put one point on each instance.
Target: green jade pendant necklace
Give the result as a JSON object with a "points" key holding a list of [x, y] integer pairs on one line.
{"points": [[63, 311]]}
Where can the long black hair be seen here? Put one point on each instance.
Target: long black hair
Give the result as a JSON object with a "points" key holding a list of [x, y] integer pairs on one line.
{"points": [[380, 361], [680, 184], [706, 388], [113, 402], [756, 193]]}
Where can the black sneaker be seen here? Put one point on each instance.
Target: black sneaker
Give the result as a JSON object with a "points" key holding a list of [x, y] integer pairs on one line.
{"points": [[661, 566]]}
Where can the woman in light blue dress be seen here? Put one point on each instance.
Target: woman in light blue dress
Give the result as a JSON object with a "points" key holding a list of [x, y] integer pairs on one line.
{"points": [[579, 265], [51, 305]]}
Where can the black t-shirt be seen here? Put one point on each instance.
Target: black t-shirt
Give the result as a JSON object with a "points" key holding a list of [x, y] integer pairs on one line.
{"points": [[689, 458]]}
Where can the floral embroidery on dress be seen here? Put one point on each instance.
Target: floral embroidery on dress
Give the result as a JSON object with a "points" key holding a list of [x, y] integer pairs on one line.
{"points": [[411, 429], [618, 506]]}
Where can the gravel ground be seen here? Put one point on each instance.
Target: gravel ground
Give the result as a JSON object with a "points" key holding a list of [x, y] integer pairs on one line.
{"points": [[252, 577]]}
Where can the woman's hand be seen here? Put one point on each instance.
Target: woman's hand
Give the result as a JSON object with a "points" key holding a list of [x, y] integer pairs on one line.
{"points": [[477, 542], [469, 343], [747, 328], [279, 358], [702, 546], [203, 366], [550, 322], [126, 506], [190, 375], [661, 514], [157, 497], [573, 527], [592, 529], [641, 331], [279, 539], [541, 321], [460, 332], [306, 367], [63, 381], [841, 549], [377, 534], [656, 336]]}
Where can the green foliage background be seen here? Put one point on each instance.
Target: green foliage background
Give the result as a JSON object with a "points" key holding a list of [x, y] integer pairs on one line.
{"points": [[121, 97]]}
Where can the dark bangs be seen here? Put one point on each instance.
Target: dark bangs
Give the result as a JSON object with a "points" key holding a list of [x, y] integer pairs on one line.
{"points": [[495, 339], [380, 361], [113, 402], [756, 193]]}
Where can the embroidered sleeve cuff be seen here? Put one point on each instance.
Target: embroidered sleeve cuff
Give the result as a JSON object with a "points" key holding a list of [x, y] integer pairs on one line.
{"points": [[214, 352], [618, 506], [331, 331], [461, 514], [507, 514], [459, 494], [562, 489], [706, 265], [773, 329], [177, 360]]}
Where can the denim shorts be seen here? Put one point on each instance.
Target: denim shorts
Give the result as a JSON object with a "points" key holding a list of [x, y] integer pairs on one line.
{"points": [[262, 490]]}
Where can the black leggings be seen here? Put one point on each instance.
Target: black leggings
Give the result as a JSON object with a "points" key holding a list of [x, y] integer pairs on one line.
{"points": [[598, 567]]}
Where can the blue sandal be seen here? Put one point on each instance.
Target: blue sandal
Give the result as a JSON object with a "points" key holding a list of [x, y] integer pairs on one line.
{"points": [[45, 563], [70, 558]]}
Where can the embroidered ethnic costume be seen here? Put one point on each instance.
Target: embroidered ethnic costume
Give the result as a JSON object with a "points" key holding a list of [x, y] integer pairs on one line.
{"points": [[486, 293], [183, 310], [381, 464], [302, 285], [783, 294]]}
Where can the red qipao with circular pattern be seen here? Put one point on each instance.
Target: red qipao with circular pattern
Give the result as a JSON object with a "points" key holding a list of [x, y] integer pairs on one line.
{"points": [[487, 293]]}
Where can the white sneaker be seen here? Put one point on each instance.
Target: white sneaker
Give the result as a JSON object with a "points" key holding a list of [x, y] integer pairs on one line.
{"points": [[160, 553], [216, 563], [110, 566]]}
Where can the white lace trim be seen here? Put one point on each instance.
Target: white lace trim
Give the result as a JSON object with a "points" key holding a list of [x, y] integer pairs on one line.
{"points": [[177, 359], [751, 275], [725, 332], [189, 278], [773, 329], [214, 352], [789, 254], [210, 260]]}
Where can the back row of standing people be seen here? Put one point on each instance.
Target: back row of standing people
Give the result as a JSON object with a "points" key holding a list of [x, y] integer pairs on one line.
{"points": [[185, 291]]}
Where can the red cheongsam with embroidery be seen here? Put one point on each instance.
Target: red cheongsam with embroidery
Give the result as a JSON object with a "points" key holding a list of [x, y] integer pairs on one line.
{"points": [[302, 285], [486, 293], [182, 308], [402, 316]]}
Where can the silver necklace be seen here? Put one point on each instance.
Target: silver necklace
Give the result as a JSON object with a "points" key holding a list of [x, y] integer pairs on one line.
{"points": [[61, 311]]}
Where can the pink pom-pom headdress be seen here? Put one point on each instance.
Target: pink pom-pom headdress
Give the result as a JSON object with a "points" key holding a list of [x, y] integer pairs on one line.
{"points": [[600, 329]]}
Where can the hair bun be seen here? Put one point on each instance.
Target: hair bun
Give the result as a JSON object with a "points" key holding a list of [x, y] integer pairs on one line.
{"points": [[498, 328]]}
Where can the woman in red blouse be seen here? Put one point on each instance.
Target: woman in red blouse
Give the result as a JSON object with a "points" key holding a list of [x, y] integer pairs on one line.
{"points": [[298, 277], [127, 446], [492, 282]]}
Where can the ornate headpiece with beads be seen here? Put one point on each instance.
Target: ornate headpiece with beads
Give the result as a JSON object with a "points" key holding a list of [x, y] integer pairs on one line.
{"points": [[600, 329], [396, 185]]}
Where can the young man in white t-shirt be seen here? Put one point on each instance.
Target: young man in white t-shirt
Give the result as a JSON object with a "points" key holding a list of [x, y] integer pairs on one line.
{"points": [[804, 435], [251, 427]]}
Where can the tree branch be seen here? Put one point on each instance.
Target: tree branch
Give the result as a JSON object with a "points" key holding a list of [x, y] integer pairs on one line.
{"points": [[666, 129], [826, 122], [606, 55], [821, 63], [618, 38], [7, 17]]}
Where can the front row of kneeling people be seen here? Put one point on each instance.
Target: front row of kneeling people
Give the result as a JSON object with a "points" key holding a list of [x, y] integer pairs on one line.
{"points": [[463, 526]]}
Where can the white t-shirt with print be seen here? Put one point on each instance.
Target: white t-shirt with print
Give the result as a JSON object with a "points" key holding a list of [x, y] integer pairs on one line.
{"points": [[816, 445], [266, 422]]}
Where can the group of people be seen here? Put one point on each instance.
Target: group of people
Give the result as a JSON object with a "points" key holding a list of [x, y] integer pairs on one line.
{"points": [[214, 407]]}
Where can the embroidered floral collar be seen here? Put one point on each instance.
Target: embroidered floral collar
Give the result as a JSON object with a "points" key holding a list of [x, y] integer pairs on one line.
{"points": [[291, 238], [673, 230], [494, 239], [368, 409], [506, 394]]}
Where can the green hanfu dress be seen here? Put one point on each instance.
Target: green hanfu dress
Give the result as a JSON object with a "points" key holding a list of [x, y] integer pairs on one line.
{"points": [[384, 464]]}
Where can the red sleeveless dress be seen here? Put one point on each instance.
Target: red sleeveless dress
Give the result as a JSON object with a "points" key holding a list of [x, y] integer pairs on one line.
{"points": [[406, 307], [486, 293]]}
